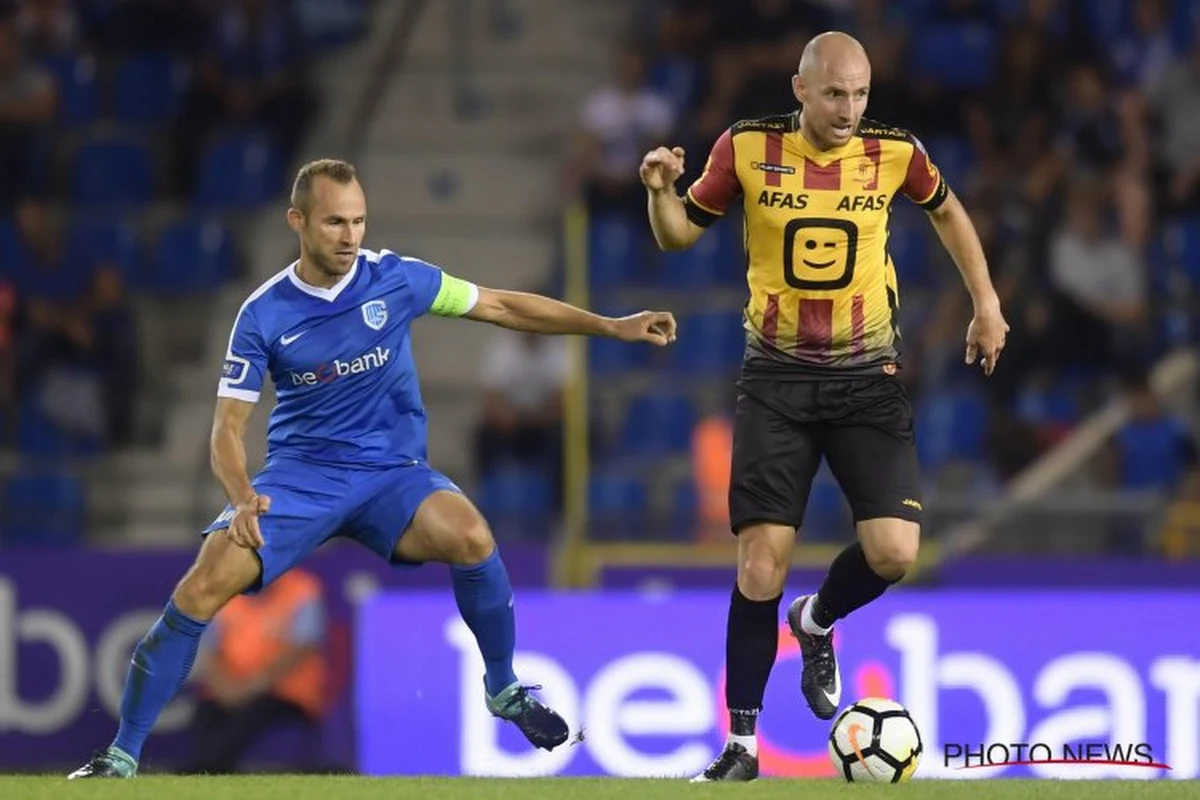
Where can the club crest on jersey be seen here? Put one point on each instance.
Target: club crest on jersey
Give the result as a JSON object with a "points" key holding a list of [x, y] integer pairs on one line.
{"points": [[375, 314]]}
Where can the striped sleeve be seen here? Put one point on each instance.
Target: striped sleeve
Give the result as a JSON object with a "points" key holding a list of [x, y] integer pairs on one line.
{"points": [[923, 182], [709, 197]]}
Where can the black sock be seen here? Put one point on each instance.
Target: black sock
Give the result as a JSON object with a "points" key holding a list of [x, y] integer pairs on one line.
{"points": [[850, 584], [751, 642]]}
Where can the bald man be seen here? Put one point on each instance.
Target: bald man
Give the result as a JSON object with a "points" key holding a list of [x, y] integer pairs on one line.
{"points": [[819, 376]]}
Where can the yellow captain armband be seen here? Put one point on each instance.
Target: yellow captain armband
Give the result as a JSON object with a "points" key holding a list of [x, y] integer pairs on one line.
{"points": [[455, 297]]}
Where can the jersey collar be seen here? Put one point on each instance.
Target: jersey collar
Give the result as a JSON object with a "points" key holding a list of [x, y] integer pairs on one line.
{"points": [[329, 294]]}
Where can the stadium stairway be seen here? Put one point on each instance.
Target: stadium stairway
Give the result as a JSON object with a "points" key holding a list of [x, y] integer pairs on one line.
{"points": [[466, 179]]}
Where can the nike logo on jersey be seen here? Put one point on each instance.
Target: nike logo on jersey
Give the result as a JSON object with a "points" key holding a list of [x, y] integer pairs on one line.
{"points": [[286, 340]]}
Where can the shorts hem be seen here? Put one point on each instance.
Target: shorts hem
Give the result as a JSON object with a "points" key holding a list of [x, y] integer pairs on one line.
{"points": [[746, 520]]}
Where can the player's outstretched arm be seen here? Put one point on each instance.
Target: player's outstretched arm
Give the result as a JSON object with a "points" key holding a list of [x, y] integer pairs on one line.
{"points": [[228, 458], [986, 333], [535, 313], [668, 217]]}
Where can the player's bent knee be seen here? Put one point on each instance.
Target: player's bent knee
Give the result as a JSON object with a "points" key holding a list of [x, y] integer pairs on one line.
{"points": [[222, 571], [764, 554], [474, 545], [892, 557]]}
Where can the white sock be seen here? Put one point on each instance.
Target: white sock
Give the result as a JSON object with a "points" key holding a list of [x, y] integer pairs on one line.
{"points": [[806, 619], [748, 742]]}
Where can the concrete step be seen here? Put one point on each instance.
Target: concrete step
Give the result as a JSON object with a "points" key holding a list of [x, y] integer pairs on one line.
{"points": [[459, 185], [513, 99]]}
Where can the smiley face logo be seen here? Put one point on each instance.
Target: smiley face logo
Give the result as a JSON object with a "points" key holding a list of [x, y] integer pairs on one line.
{"points": [[819, 253]]}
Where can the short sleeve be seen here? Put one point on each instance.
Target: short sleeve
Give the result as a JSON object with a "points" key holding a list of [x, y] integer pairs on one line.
{"points": [[923, 182], [425, 283], [246, 360], [709, 197]]}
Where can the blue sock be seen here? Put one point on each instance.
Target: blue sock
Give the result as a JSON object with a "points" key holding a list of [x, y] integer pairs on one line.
{"points": [[484, 598], [161, 663]]}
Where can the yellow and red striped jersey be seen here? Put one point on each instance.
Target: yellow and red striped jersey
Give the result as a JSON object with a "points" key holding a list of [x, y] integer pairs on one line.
{"points": [[823, 293]]}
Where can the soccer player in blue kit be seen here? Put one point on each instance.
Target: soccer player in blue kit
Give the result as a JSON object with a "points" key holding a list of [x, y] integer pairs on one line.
{"points": [[346, 449]]}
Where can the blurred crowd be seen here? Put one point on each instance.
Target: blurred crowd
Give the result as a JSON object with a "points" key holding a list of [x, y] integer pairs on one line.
{"points": [[113, 180], [1070, 129]]}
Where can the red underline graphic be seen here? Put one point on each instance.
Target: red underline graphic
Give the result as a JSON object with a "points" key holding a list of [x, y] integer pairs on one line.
{"points": [[1075, 761]]}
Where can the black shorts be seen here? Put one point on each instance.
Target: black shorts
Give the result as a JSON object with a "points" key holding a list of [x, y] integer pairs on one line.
{"points": [[863, 426]]}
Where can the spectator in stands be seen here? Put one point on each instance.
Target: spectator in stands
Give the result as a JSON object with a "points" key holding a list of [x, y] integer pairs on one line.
{"points": [[1174, 107], [115, 351], [261, 666], [58, 342], [1099, 312], [1154, 449], [28, 99], [48, 27], [8, 311], [134, 26], [1141, 55], [712, 455], [618, 123], [251, 75], [524, 376]]}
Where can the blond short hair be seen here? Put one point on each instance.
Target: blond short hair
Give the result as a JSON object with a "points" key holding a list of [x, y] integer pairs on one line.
{"points": [[341, 172]]}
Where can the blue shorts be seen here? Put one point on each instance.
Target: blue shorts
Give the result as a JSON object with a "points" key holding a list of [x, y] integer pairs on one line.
{"points": [[312, 504]]}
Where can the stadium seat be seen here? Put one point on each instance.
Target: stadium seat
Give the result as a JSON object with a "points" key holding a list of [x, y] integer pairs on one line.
{"points": [[827, 516], [515, 491], [111, 241], [617, 506], [716, 259], [956, 56], [112, 174], [708, 343], [953, 156], [77, 88], [657, 424], [610, 356], [148, 88], [908, 245], [43, 509], [617, 247], [1182, 245], [951, 427], [193, 254], [238, 172]]}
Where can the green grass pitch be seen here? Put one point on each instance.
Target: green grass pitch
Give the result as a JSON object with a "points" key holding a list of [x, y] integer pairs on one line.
{"points": [[300, 787]]}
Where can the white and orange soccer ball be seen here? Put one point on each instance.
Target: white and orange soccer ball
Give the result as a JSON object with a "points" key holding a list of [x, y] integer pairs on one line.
{"points": [[875, 741]]}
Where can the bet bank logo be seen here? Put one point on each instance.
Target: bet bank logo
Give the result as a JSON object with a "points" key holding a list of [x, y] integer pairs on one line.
{"points": [[332, 370]]}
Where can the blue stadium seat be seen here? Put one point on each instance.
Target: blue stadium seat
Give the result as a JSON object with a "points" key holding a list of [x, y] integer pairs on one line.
{"points": [[617, 506], [193, 254], [515, 492], [617, 246], [1056, 405], [908, 245], [148, 89], [610, 356], [657, 424], [77, 88], [111, 174], [953, 156], [716, 259], [827, 516], [111, 241], [951, 427], [239, 171], [1182, 245], [710, 342], [1106, 19], [956, 56], [43, 509]]}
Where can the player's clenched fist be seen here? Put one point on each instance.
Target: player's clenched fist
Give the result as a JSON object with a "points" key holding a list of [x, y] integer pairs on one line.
{"points": [[661, 168], [243, 529]]}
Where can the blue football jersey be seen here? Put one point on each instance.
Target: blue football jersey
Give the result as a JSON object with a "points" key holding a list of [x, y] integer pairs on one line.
{"points": [[340, 358]]}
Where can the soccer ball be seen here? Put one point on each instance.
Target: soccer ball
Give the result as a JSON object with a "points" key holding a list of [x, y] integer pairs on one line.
{"points": [[875, 741]]}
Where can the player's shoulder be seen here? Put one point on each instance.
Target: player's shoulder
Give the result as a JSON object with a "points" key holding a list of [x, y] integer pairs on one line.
{"points": [[266, 291], [775, 123], [883, 132], [391, 268]]}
